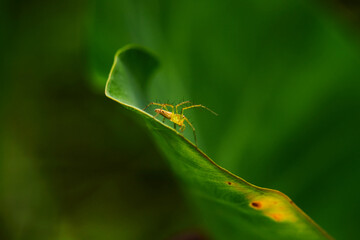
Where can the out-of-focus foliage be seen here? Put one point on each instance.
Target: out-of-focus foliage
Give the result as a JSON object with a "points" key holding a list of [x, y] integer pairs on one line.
{"points": [[72, 164], [283, 75]]}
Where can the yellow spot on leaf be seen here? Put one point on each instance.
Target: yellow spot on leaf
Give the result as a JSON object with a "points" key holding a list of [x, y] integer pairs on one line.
{"points": [[274, 207], [277, 216]]}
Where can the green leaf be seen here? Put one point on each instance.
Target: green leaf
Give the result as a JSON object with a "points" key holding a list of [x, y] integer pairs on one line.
{"points": [[231, 207]]}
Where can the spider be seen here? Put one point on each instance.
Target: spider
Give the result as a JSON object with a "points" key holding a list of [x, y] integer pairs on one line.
{"points": [[178, 118]]}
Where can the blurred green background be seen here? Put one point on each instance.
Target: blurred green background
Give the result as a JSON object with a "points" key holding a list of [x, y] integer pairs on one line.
{"points": [[283, 76]]}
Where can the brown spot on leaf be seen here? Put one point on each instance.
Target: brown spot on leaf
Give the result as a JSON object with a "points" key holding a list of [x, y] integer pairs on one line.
{"points": [[257, 205], [229, 183]]}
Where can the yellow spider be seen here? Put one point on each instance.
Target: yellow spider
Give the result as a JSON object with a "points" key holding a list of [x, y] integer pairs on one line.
{"points": [[176, 117]]}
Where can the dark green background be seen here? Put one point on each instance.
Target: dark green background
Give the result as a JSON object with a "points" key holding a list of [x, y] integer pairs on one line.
{"points": [[283, 76]]}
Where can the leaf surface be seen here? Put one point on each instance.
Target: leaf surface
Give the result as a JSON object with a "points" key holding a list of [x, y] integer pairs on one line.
{"points": [[231, 207]]}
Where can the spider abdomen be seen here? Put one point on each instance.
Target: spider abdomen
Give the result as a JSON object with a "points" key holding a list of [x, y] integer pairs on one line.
{"points": [[164, 113]]}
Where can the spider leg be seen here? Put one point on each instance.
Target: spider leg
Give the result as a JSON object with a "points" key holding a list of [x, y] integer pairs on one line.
{"points": [[169, 105], [180, 105], [163, 120], [182, 128], [187, 120], [161, 105], [175, 126], [152, 103], [199, 105]]}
